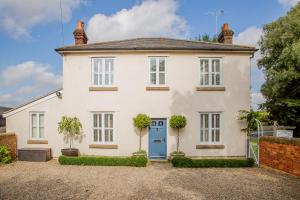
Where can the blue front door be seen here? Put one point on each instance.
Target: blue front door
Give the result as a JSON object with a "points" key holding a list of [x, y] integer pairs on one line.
{"points": [[158, 139]]}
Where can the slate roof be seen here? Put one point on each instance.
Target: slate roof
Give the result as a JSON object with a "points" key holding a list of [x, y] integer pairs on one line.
{"points": [[156, 44]]}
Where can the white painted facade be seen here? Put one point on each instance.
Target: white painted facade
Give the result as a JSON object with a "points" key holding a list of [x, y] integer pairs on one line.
{"points": [[131, 75]]}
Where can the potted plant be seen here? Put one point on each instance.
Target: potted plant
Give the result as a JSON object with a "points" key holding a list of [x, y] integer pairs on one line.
{"points": [[177, 122], [141, 121], [69, 126]]}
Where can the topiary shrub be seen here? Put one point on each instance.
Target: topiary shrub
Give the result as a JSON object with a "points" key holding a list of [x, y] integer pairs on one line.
{"points": [[141, 121], [4, 155], [69, 126], [177, 122]]}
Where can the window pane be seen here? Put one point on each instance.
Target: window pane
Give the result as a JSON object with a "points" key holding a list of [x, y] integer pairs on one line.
{"points": [[216, 65], [111, 78], [96, 63], [213, 79], [95, 135], [217, 120], [204, 65], [152, 64], [218, 79], [206, 82], [106, 79], [106, 135], [100, 135], [95, 120], [161, 78], [153, 78], [96, 79], [111, 138], [100, 120], [34, 132], [217, 135], [206, 120], [213, 135], [111, 62], [33, 120], [162, 64], [41, 120], [206, 135], [41, 132], [106, 117], [110, 120], [201, 136]]}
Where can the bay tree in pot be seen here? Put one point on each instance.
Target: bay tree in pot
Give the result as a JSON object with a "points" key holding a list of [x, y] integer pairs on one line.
{"points": [[177, 122], [69, 126], [141, 121]]}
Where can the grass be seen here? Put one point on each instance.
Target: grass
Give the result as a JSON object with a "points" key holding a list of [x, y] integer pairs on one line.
{"points": [[253, 142]]}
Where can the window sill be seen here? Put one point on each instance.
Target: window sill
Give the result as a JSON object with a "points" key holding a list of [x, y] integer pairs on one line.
{"points": [[157, 88], [103, 146], [200, 88], [103, 88], [218, 146], [37, 141]]}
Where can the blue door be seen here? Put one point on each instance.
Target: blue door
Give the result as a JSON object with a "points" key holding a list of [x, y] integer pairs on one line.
{"points": [[158, 139]]}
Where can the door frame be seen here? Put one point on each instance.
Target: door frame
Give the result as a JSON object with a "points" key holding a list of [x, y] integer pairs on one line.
{"points": [[166, 147]]}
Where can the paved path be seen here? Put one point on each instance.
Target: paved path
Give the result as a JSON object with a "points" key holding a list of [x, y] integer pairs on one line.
{"points": [[27, 180]]}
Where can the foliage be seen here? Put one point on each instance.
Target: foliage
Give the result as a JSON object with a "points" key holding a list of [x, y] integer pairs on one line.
{"points": [[206, 38], [201, 163], [135, 161], [250, 116], [280, 140], [280, 49], [142, 151], [4, 155], [70, 126], [141, 121], [177, 121]]}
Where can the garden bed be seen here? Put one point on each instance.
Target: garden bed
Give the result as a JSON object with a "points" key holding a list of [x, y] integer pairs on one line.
{"points": [[185, 162], [134, 161]]}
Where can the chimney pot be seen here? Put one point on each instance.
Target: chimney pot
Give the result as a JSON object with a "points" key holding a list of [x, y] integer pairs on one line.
{"points": [[226, 34], [79, 34]]}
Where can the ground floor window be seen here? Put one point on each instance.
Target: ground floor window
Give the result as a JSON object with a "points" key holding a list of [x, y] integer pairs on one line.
{"points": [[210, 127], [37, 126], [103, 127]]}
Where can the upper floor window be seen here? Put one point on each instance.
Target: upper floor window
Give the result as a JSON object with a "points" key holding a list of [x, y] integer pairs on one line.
{"points": [[103, 71], [210, 127], [37, 127], [157, 70], [103, 127], [210, 72]]}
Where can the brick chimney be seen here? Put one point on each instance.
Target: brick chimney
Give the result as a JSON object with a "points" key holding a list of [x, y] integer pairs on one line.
{"points": [[79, 34], [226, 35]]}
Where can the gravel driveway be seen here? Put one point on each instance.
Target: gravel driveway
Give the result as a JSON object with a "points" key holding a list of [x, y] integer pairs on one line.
{"points": [[29, 180]]}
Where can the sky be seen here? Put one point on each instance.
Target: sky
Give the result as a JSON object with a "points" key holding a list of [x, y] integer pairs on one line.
{"points": [[30, 30]]}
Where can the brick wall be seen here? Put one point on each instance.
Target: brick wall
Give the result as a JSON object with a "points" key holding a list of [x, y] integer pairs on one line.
{"points": [[282, 154], [9, 140]]}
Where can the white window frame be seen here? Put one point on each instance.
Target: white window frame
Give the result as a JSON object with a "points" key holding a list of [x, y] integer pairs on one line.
{"points": [[103, 128], [102, 73], [38, 113], [210, 128], [157, 71], [210, 71]]}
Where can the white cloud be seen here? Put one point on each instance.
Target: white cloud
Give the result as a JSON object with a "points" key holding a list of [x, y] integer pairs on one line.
{"points": [[288, 2], [17, 17], [151, 18], [256, 99], [250, 36], [25, 81]]}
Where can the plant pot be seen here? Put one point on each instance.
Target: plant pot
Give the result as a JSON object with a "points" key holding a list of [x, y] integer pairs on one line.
{"points": [[69, 152]]}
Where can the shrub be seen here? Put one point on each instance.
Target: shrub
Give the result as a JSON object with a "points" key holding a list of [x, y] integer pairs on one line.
{"points": [[141, 121], [70, 127], [4, 155], [136, 161], [200, 163], [177, 122]]}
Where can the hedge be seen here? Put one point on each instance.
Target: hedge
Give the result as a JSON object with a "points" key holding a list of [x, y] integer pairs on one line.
{"points": [[135, 161], [281, 140], [185, 162]]}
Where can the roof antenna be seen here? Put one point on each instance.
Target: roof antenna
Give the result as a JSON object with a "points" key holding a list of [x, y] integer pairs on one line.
{"points": [[62, 25], [216, 14]]}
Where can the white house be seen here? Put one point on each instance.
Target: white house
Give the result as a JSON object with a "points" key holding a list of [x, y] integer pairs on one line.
{"points": [[107, 84]]}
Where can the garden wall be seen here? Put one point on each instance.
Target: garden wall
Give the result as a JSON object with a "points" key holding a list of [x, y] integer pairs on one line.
{"points": [[9, 140], [280, 153]]}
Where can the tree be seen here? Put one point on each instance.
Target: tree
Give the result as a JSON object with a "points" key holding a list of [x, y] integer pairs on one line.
{"points": [[70, 127], [250, 116], [177, 122], [280, 49], [206, 38], [141, 121]]}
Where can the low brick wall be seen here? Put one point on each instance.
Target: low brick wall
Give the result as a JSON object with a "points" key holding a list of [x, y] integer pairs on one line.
{"points": [[280, 153], [9, 140]]}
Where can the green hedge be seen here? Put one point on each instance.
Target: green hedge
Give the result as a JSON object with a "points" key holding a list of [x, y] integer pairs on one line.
{"points": [[280, 140], [135, 161], [200, 163]]}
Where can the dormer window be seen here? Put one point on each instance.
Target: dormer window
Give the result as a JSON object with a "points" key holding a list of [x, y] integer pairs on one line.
{"points": [[103, 71]]}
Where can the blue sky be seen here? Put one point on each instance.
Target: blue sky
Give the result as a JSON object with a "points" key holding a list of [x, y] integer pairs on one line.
{"points": [[31, 29]]}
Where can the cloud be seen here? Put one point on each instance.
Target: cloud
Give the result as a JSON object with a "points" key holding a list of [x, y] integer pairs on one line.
{"points": [[18, 17], [24, 81], [288, 3], [151, 18], [256, 99]]}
